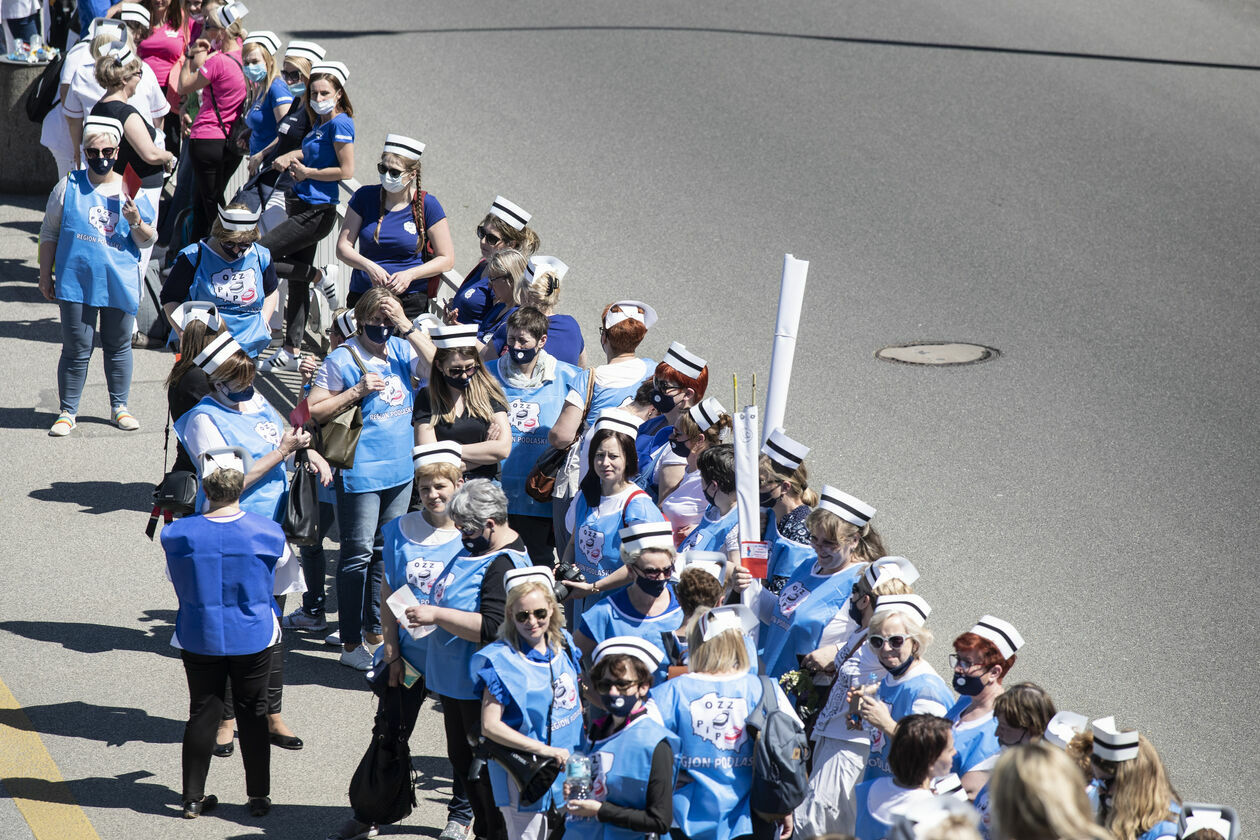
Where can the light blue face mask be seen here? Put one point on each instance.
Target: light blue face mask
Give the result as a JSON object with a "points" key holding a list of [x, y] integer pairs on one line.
{"points": [[298, 89], [255, 72]]}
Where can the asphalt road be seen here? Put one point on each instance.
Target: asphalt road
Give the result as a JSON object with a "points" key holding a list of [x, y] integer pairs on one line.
{"points": [[1078, 198]]}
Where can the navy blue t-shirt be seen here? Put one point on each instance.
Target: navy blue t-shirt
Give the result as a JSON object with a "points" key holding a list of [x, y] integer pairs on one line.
{"points": [[396, 250], [564, 338], [473, 300]]}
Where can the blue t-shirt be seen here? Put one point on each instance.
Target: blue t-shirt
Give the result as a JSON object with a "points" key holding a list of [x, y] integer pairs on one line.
{"points": [[564, 338], [473, 299], [318, 152], [261, 118], [398, 235]]}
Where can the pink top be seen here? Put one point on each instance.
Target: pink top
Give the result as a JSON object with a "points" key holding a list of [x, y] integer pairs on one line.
{"points": [[161, 50], [227, 89]]}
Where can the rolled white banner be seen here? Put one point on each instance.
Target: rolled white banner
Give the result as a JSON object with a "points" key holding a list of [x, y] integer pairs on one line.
{"points": [[748, 490], [791, 297]]}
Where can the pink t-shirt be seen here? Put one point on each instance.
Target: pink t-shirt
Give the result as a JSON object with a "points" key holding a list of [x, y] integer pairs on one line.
{"points": [[227, 89], [162, 50]]}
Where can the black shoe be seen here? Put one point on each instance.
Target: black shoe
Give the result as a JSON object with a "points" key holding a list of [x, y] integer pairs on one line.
{"points": [[286, 742], [259, 806], [224, 750], [196, 808]]}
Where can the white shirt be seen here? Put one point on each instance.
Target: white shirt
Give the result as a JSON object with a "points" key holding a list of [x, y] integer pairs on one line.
{"points": [[684, 508], [84, 92], [607, 506]]}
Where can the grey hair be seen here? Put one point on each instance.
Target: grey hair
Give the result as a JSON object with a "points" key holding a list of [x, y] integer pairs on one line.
{"points": [[922, 636], [478, 500]]}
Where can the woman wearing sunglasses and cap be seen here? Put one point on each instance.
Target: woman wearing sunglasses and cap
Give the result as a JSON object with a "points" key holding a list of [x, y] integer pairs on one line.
{"points": [[981, 660], [1135, 800], [787, 499], [538, 285], [505, 226]]}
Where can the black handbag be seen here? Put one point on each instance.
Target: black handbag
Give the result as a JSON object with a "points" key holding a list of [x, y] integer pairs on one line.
{"points": [[382, 789], [176, 494], [301, 511], [534, 775]]}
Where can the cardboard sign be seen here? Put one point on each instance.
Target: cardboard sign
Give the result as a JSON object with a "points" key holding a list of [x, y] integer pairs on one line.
{"points": [[131, 183]]}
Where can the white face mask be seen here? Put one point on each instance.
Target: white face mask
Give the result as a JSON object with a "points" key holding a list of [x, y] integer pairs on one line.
{"points": [[392, 184], [323, 106]]}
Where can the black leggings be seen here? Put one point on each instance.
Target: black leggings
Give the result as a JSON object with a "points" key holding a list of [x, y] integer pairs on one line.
{"points": [[212, 166], [463, 721], [208, 678], [275, 685], [292, 245]]}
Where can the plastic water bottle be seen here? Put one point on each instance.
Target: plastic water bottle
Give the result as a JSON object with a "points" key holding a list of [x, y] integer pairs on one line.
{"points": [[577, 773], [855, 719]]}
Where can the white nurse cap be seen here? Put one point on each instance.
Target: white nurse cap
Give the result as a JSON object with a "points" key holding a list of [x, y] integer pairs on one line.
{"points": [[403, 146], [239, 218], [98, 124], [618, 420], [336, 69], [641, 649], [643, 535], [630, 310], [230, 14], [454, 335], [891, 568], [710, 562], [518, 577], [849, 508], [217, 352], [706, 413], [512, 213], [1110, 744], [784, 451], [264, 38], [442, 452], [134, 13], [912, 607], [309, 50], [197, 310], [1003, 635], [684, 361], [735, 617]]}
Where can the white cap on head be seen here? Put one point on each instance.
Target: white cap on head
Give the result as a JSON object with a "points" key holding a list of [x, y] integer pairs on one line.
{"points": [[427, 322], [784, 451], [230, 13], [949, 785], [217, 352], [442, 452], [735, 617], [225, 458], [239, 218], [710, 562], [197, 310], [336, 69], [706, 413], [643, 535], [134, 13], [1003, 635], [403, 146], [97, 124], [683, 360], [543, 265], [891, 568], [912, 607], [849, 508], [123, 55], [448, 337], [510, 212], [1198, 817], [309, 50], [518, 577], [100, 25], [630, 310], [1111, 744], [345, 323], [618, 420], [641, 649], [266, 39], [1065, 726]]}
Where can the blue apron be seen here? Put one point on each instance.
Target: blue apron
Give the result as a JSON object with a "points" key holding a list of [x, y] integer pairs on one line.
{"points": [[651, 449], [620, 767], [407, 563], [805, 605], [616, 616], [900, 698], [259, 434], [974, 744], [459, 588], [711, 536], [786, 556], [382, 458], [596, 539], [97, 262], [531, 414], [236, 290], [535, 688]]}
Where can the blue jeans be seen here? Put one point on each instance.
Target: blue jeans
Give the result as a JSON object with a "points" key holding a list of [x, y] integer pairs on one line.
{"points": [[78, 328], [23, 28], [314, 564], [360, 517]]}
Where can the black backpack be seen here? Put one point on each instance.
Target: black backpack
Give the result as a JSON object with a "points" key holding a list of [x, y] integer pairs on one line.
{"points": [[42, 97], [780, 750]]}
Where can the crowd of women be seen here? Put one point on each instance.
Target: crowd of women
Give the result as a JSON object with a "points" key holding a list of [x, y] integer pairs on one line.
{"points": [[541, 535]]}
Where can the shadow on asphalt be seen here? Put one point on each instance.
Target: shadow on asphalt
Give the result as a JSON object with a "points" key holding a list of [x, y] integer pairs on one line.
{"points": [[92, 638], [28, 226], [45, 329], [115, 725], [26, 418], [97, 496], [19, 292]]}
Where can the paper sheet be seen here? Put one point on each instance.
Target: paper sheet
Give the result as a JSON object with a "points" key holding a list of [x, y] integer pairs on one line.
{"points": [[398, 601]]}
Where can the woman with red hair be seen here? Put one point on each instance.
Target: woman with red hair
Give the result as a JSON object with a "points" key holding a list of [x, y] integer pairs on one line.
{"points": [[981, 659], [678, 384]]}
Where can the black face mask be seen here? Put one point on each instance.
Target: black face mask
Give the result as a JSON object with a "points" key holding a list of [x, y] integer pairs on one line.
{"points": [[477, 545], [100, 165], [905, 666], [459, 383], [662, 402], [711, 498], [522, 355], [768, 499], [855, 613], [618, 705], [377, 333], [679, 447], [968, 686], [650, 587]]}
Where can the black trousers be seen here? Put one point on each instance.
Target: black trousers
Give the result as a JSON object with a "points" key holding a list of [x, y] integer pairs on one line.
{"points": [[292, 244], [208, 678], [212, 166], [537, 535], [275, 685], [463, 721]]}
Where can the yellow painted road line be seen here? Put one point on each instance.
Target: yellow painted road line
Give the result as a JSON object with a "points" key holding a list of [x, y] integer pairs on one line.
{"points": [[32, 779]]}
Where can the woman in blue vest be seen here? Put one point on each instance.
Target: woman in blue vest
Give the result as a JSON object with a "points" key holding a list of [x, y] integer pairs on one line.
{"points": [[718, 528], [707, 709], [395, 234], [922, 749], [535, 384], [632, 754], [505, 226], [787, 499], [1136, 800], [808, 612], [981, 660], [95, 234], [647, 608], [376, 369], [679, 384], [232, 271], [912, 686], [539, 287], [318, 168], [223, 566], [467, 608], [530, 681]]}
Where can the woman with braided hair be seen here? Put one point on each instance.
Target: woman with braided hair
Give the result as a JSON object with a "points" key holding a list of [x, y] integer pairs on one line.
{"points": [[401, 234]]}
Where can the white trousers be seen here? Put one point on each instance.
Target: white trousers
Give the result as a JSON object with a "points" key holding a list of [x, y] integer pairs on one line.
{"points": [[522, 825], [830, 807]]}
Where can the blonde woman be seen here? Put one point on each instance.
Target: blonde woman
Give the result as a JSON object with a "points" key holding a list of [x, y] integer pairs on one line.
{"points": [[272, 96], [503, 271], [505, 226], [539, 286], [1037, 793], [1135, 799]]}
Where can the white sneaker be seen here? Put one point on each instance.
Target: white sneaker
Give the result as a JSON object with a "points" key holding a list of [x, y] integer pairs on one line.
{"points": [[327, 287], [333, 638], [282, 360], [63, 425], [359, 659]]}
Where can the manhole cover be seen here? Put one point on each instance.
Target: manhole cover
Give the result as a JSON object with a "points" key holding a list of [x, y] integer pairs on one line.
{"points": [[939, 353]]}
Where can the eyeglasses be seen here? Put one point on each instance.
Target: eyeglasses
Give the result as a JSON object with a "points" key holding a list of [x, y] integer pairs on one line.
{"points": [[662, 573], [960, 664], [541, 614], [623, 686], [473, 529], [290, 75], [393, 173], [235, 248], [490, 238], [878, 642], [95, 153]]}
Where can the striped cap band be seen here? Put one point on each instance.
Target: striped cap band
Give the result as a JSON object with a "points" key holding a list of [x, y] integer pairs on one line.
{"points": [[217, 352], [849, 508], [336, 69], [403, 146], [707, 412], [98, 124], [133, 13], [239, 218], [643, 535], [518, 577], [1111, 744], [614, 419], [1002, 633], [309, 50], [442, 452], [230, 14], [912, 607], [682, 360], [784, 451], [457, 335], [265, 38], [345, 323], [641, 649], [510, 212]]}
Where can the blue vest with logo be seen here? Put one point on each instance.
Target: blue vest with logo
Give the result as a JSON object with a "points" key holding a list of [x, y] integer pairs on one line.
{"points": [[259, 434], [711, 536], [224, 575], [805, 605], [597, 542], [531, 414], [536, 688], [382, 458], [97, 262], [620, 767], [786, 556], [236, 290], [900, 698], [974, 744], [616, 616], [714, 756], [459, 588], [605, 397], [407, 563]]}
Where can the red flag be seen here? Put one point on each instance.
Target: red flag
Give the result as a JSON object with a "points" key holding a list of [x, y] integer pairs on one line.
{"points": [[300, 414], [131, 183]]}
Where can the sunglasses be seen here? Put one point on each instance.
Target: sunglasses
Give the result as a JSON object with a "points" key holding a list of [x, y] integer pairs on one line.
{"points": [[624, 686], [393, 173], [95, 153], [460, 372], [522, 616], [656, 574], [489, 237], [878, 642], [235, 249], [290, 75]]}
